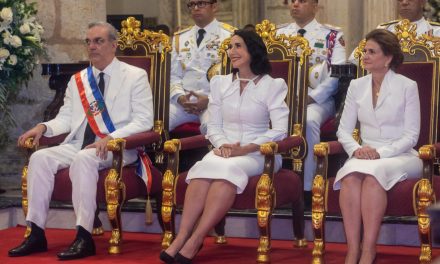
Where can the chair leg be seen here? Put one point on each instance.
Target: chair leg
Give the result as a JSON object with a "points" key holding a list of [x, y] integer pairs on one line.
{"points": [[318, 217], [265, 202], [220, 232], [115, 195], [24, 197], [167, 210], [298, 223], [97, 224], [424, 198]]}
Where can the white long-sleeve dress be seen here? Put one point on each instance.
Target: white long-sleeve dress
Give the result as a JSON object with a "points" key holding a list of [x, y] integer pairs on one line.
{"points": [[258, 115], [392, 128]]}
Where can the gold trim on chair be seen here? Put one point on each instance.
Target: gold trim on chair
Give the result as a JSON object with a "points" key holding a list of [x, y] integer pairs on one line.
{"points": [[115, 193], [171, 148]]}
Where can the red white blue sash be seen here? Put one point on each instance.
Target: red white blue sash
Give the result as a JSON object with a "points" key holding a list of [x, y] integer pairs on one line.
{"points": [[99, 119], [93, 104]]}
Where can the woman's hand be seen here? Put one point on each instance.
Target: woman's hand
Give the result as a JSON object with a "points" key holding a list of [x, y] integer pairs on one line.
{"points": [[234, 150], [366, 152]]}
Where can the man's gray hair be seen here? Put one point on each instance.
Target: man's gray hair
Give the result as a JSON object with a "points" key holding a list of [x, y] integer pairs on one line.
{"points": [[112, 32]]}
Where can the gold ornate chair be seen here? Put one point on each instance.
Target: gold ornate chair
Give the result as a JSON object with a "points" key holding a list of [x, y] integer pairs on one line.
{"points": [[150, 51], [407, 198], [289, 60]]}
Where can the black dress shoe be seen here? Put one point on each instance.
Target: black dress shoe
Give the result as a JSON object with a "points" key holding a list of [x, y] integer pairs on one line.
{"points": [[80, 248], [165, 257], [32, 244]]}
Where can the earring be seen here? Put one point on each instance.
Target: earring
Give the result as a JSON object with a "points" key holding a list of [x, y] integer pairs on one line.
{"points": [[386, 65]]}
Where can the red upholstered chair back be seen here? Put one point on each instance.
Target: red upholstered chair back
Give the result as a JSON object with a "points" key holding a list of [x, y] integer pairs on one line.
{"points": [[424, 74], [150, 51]]}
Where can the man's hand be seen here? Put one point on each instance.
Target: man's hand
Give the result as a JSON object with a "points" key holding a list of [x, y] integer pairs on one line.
{"points": [[234, 150], [198, 106], [183, 100], [101, 147], [366, 152], [36, 132]]}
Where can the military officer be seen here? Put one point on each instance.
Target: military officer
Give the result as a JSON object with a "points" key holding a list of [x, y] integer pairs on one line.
{"points": [[194, 51], [413, 11], [328, 47]]}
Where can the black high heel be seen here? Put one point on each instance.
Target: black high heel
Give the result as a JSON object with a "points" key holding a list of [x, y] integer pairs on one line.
{"points": [[182, 259], [179, 258], [165, 257]]}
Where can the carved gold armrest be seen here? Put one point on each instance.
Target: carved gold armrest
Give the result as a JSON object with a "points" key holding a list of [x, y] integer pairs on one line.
{"points": [[428, 154]]}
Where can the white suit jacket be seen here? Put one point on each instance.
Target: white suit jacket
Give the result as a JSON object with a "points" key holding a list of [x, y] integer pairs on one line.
{"points": [[128, 99], [393, 126]]}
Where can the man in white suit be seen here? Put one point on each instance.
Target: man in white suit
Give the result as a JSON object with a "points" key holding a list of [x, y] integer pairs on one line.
{"points": [[122, 106], [194, 51]]}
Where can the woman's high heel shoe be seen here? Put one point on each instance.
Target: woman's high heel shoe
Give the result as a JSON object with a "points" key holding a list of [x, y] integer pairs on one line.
{"points": [[179, 258], [165, 257], [182, 260]]}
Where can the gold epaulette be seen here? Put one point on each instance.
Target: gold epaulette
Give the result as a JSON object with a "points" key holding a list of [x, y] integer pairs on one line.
{"points": [[436, 24], [331, 27], [228, 27], [182, 31], [282, 25], [387, 24]]}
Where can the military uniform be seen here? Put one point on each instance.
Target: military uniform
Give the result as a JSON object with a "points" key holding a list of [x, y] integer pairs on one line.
{"points": [[423, 27], [189, 65], [328, 47]]}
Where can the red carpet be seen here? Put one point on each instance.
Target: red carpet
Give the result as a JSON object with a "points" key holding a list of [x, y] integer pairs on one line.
{"points": [[145, 248]]}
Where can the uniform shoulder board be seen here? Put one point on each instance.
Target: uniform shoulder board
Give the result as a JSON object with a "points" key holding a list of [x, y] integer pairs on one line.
{"points": [[282, 25], [331, 27], [435, 24], [228, 27], [182, 31], [389, 23]]}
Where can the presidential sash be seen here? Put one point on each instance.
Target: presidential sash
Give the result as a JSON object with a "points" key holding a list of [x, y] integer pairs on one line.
{"points": [[93, 104], [99, 119]]}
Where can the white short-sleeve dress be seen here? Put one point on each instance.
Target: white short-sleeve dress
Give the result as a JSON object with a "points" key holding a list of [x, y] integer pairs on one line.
{"points": [[258, 115], [392, 128]]}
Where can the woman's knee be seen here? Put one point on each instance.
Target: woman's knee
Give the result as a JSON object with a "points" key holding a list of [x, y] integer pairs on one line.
{"points": [[352, 179], [371, 182]]}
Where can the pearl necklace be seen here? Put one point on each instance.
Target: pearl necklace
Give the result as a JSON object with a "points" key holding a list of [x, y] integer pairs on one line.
{"points": [[246, 80]]}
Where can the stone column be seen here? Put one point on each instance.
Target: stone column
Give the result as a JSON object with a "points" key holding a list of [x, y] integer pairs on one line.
{"points": [[277, 12], [168, 13], [346, 14], [378, 11], [245, 12]]}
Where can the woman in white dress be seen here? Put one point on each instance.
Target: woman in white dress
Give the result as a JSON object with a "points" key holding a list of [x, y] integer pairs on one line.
{"points": [[386, 104], [246, 109]]}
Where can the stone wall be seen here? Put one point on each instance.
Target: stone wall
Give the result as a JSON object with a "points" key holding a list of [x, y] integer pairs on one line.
{"points": [[65, 23]]}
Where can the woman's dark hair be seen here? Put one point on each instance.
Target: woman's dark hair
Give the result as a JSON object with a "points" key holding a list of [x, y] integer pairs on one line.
{"points": [[257, 49], [389, 44]]}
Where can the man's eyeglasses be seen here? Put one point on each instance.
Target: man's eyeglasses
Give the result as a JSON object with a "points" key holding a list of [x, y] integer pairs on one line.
{"points": [[199, 4], [96, 41]]}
